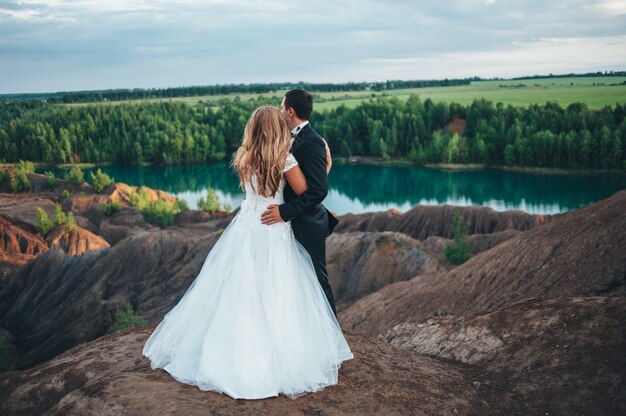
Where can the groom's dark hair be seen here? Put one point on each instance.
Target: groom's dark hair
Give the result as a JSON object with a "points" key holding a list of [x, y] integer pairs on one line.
{"points": [[301, 101]]}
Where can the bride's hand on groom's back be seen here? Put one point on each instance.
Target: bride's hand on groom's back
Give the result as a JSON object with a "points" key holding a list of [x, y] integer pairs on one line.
{"points": [[329, 159]]}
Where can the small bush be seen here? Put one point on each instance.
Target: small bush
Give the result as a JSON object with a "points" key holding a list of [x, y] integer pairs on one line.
{"points": [[65, 194], [125, 318], [70, 224], [181, 205], [211, 203], [43, 224], [133, 199], [66, 220], [3, 354], [459, 251], [75, 176], [19, 181], [26, 166], [3, 174], [110, 209], [51, 181], [139, 199], [159, 213], [59, 216], [100, 180]]}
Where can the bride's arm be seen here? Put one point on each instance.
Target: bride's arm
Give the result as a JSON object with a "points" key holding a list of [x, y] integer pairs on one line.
{"points": [[293, 174], [329, 159], [296, 180]]}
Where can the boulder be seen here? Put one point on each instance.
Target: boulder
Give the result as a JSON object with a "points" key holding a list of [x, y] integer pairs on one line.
{"points": [[360, 263], [76, 243], [555, 356], [20, 209]]}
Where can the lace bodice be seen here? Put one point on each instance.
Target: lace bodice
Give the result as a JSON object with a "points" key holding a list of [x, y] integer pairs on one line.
{"points": [[256, 201]]}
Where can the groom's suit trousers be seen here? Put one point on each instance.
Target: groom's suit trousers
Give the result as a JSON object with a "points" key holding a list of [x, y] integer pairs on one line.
{"points": [[317, 251]]}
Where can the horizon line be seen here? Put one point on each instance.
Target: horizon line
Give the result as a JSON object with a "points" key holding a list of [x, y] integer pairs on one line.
{"points": [[471, 78]]}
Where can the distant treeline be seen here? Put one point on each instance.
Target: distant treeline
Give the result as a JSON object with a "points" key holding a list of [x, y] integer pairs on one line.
{"points": [[194, 91], [422, 131], [572, 75], [121, 94]]}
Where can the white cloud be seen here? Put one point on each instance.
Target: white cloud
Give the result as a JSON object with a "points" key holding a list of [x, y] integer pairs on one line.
{"points": [[86, 44], [25, 14], [33, 15], [539, 56], [92, 5], [611, 7]]}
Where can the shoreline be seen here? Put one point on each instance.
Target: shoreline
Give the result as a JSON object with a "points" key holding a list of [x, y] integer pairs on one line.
{"points": [[372, 161], [459, 167]]}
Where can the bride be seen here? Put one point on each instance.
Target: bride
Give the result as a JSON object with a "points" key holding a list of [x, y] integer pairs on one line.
{"points": [[255, 322]]}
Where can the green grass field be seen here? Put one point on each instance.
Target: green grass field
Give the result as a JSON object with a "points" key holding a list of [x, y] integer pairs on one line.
{"points": [[596, 92]]}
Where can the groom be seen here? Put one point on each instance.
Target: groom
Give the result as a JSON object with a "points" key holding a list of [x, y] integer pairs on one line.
{"points": [[310, 220]]}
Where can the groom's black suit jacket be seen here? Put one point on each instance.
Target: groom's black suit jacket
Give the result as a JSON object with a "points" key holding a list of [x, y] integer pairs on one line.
{"points": [[310, 220]]}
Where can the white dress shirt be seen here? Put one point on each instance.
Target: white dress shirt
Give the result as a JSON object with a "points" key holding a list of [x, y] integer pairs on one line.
{"points": [[297, 129]]}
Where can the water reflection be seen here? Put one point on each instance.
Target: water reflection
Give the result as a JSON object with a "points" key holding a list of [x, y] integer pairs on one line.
{"points": [[361, 188], [368, 188]]}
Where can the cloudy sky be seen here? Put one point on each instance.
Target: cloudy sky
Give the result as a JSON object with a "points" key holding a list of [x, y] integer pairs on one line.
{"points": [[64, 45]]}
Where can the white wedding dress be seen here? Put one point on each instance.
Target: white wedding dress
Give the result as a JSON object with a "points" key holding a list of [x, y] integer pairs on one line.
{"points": [[255, 322]]}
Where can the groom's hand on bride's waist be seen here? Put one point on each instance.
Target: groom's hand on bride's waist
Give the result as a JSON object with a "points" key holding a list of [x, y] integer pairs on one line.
{"points": [[271, 215]]}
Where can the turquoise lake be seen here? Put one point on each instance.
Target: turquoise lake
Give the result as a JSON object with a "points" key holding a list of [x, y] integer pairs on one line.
{"points": [[366, 188]]}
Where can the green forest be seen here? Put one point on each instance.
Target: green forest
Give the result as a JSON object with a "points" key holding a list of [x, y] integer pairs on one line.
{"points": [[170, 133]]}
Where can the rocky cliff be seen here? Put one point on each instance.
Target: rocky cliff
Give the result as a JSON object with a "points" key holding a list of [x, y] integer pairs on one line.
{"points": [[424, 221], [360, 263], [68, 291], [109, 376], [539, 351], [577, 253], [532, 324]]}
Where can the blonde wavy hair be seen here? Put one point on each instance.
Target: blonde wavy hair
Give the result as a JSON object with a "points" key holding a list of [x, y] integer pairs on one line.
{"points": [[265, 146]]}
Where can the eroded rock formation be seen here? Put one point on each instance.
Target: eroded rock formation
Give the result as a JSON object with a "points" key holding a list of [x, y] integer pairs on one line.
{"points": [[109, 376], [577, 253]]}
